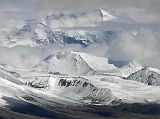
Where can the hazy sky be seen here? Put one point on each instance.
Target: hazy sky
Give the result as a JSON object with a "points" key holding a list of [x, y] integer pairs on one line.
{"points": [[30, 5]]}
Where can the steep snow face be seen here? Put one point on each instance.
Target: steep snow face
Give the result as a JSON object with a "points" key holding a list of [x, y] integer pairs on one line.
{"points": [[75, 88], [146, 75], [99, 64], [65, 63]]}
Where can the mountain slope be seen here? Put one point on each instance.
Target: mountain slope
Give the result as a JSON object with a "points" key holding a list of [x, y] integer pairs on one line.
{"points": [[130, 68], [14, 93], [146, 75], [7, 76], [78, 63], [65, 63], [75, 88]]}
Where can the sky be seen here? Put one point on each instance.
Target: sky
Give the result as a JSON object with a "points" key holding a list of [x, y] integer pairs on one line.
{"points": [[33, 5], [150, 5], [38, 8], [149, 8]]}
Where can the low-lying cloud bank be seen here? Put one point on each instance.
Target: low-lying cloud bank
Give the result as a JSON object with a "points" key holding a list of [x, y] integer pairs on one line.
{"points": [[143, 48]]}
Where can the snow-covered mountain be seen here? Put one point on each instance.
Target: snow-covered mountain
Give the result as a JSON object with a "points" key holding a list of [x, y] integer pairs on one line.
{"points": [[14, 92], [44, 35], [51, 29], [102, 84], [75, 88], [78, 63], [7, 76], [146, 75], [62, 28], [66, 90], [65, 63], [130, 68], [69, 20]]}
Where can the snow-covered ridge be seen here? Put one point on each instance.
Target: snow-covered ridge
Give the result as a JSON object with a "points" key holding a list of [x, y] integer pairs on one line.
{"points": [[146, 75], [7, 76], [75, 88], [78, 63], [50, 30], [99, 64], [13, 92], [41, 35], [130, 68], [65, 63], [91, 89]]}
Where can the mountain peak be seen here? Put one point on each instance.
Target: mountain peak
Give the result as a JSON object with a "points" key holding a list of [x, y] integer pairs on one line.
{"points": [[106, 15], [147, 75]]}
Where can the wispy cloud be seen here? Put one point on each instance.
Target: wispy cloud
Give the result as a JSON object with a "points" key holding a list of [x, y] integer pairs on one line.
{"points": [[143, 48]]}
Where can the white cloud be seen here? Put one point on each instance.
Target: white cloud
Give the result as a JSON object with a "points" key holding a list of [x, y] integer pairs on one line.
{"points": [[143, 48]]}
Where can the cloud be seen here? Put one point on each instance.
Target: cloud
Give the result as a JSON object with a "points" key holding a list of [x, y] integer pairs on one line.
{"points": [[148, 5], [20, 57], [149, 8], [69, 4], [28, 57], [143, 48]]}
